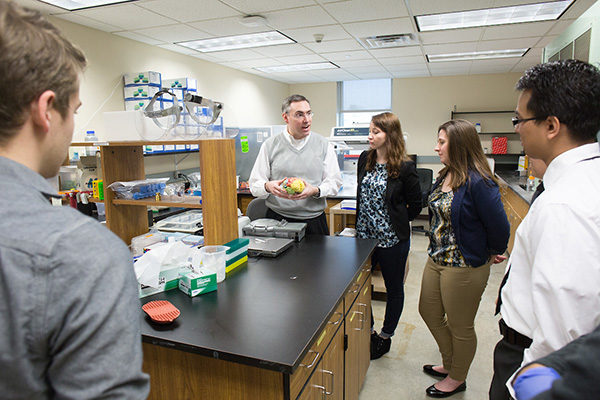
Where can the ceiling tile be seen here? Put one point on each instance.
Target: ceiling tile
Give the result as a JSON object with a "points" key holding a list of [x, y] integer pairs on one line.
{"points": [[283, 50], [397, 52], [374, 75], [306, 35], [517, 30], [81, 20], [450, 48], [190, 10], [417, 73], [334, 45], [423, 7], [261, 62], [126, 16], [262, 6], [522, 43], [173, 33], [361, 10], [139, 38], [381, 27], [304, 59], [299, 18], [348, 55], [236, 55], [451, 36], [398, 61]]}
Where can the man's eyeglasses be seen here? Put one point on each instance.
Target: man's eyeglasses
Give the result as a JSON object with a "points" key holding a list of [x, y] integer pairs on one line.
{"points": [[301, 115], [516, 121]]}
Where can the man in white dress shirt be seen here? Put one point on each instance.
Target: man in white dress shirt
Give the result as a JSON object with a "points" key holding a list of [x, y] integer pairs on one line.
{"points": [[552, 291], [297, 153]]}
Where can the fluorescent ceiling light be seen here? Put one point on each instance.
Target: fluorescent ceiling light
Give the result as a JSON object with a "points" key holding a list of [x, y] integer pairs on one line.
{"points": [[238, 42], [476, 55], [493, 16], [297, 67], [72, 5]]}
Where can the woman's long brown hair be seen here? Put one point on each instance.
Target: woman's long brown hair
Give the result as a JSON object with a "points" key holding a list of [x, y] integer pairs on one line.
{"points": [[464, 153], [394, 144]]}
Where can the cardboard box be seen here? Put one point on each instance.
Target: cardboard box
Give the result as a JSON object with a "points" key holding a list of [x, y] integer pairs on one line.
{"points": [[193, 284], [139, 92], [181, 83], [151, 78], [499, 145]]}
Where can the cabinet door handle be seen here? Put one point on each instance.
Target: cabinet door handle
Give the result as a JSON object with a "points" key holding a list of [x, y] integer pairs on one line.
{"points": [[313, 361], [356, 290], [330, 373], [339, 319], [362, 320]]}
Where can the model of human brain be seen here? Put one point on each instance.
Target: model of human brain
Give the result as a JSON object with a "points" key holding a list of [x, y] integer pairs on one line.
{"points": [[293, 185]]}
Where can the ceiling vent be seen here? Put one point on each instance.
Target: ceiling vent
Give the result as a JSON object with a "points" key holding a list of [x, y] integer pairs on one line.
{"points": [[389, 41]]}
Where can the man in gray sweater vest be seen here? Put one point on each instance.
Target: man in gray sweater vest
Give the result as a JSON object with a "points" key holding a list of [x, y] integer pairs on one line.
{"points": [[297, 153]]}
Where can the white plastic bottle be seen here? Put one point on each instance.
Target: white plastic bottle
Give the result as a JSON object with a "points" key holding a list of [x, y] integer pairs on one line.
{"points": [[531, 183], [90, 137]]}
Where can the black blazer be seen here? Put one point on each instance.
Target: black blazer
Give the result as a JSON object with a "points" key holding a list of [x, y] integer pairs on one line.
{"points": [[403, 195]]}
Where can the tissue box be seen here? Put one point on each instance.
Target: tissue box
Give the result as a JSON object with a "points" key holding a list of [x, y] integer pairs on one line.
{"points": [[167, 279], [142, 78], [499, 145], [236, 254], [193, 284]]}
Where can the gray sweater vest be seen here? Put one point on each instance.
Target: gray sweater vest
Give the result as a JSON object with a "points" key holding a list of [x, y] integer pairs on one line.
{"points": [[286, 162]]}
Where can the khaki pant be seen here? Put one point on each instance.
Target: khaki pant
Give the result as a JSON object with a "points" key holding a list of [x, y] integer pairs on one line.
{"points": [[450, 297]]}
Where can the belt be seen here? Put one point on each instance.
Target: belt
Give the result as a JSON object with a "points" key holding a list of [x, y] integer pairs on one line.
{"points": [[512, 336]]}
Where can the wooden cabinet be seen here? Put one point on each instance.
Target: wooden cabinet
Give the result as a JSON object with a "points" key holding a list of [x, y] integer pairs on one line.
{"points": [[357, 305], [124, 161], [516, 208]]}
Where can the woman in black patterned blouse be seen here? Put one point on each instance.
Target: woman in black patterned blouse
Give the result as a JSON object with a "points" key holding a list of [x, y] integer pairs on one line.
{"points": [[388, 198]]}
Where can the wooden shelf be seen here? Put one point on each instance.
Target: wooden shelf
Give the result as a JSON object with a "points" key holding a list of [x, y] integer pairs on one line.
{"points": [[188, 202], [124, 161]]}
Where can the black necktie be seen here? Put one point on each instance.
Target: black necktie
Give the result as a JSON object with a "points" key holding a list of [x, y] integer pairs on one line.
{"points": [[538, 191]]}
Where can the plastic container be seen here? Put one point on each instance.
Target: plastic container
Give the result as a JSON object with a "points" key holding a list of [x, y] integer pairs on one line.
{"points": [[478, 127], [531, 183], [213, 259], [90, 137]]}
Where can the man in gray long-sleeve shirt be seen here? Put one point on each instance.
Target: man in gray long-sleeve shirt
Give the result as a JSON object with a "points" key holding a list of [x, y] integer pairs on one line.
{"points": [[69, 313]]}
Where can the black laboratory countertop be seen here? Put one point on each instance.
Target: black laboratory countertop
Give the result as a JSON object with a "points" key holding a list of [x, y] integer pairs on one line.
{"points": [[516, 184], [266, 313]]}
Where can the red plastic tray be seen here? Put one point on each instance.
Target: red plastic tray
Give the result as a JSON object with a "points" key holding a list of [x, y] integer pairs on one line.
{"points": [[161, 311]]}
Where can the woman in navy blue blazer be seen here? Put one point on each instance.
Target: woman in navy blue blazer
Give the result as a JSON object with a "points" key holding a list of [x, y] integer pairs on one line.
{"points": [[388, 197], [468, 232]]}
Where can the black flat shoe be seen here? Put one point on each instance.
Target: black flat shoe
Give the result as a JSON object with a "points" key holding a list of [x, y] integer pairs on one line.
{"points": [[428, 369], [432, 391], [380, 347]]}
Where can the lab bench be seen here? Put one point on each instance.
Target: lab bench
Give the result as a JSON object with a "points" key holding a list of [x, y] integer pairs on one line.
{"points": [[291, 327]]}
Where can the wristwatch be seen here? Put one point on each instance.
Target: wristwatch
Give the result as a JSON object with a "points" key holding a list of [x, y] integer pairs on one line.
{"points": [[318, 195]]}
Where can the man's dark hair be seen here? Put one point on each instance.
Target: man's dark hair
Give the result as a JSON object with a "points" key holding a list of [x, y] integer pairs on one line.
{"points": [[287, 103], [568, 90]]}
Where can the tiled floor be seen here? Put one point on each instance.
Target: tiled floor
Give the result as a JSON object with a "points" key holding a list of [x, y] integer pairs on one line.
{"points": [[398, 374]]}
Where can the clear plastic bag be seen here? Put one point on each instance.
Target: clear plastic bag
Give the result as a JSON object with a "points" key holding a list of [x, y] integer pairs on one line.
{"points": [[139, 189]]}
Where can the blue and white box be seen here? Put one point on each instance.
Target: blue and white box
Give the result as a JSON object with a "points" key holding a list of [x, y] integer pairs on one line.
{"points": [[151, 78]]}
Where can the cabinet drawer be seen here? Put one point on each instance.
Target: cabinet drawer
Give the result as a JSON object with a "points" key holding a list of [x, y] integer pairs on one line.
{"points": [[356, 285], [309, 362]]}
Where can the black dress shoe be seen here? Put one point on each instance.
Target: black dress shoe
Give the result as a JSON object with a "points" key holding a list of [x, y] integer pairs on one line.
{"points": [[428, 369], [432, 391]]}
